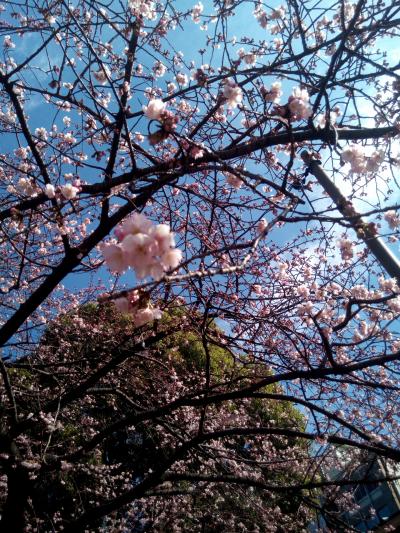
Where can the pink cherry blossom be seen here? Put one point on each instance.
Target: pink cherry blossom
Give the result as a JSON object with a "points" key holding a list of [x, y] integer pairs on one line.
{"points": [[233, 93], [137, 250], [197, 11], [257, 289], [69, 191], [102, 75], [346, 249], [122, 304], [50, 191], [137, 223], [146, 315], [299, 104], [233, 180], [182, 79], [393, 219], [143, 8], [171, 258], [154, 109], [7, 42], [355, 155], [273, 94], [115, 257], [162, 237]]}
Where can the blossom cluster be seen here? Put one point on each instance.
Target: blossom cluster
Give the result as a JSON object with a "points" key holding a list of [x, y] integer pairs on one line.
{"points": [[354, 155], [102, 75], [393, 219], [143, 8], [346, 249], [159, 69], [69, 191], [249, 58], [197, 11], [233, 180], [359, 162], [7, 42], [233, 93], [27, 187], [273, 94], [182, 79], [155, 109], [147, 248], [141, 315], [278, 13], [330, 117], [388, 285], [261, 17], [299, 104]]}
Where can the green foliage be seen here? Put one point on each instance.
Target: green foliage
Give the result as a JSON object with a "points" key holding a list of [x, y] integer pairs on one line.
{"points": [[70, 433], [188, 350], [23, 376], [273, 412]]}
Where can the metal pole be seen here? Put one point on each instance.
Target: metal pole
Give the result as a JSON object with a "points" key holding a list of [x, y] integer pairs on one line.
{"points": [[364, 231]]}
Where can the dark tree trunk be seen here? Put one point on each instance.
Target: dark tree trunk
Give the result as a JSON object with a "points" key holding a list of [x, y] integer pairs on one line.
{"points": [[13, 515]]}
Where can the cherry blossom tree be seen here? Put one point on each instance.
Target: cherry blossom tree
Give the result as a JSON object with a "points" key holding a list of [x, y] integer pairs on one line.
{"points": [[128, 452], [233, 162]]}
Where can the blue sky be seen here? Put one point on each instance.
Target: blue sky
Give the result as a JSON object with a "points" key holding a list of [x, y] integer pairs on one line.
{"points": [[189, 40]]}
